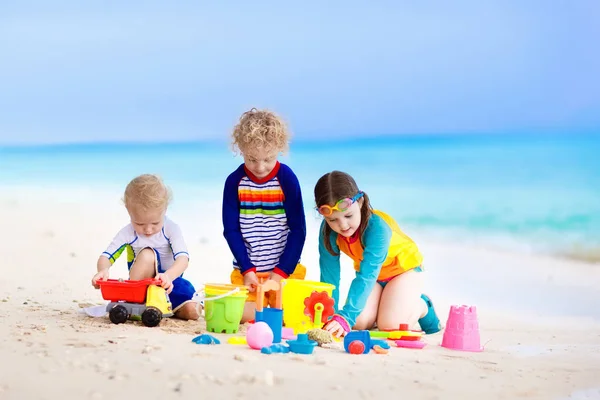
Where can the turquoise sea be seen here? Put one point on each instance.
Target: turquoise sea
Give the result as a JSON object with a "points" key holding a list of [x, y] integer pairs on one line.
{"points": [[525, 192]]}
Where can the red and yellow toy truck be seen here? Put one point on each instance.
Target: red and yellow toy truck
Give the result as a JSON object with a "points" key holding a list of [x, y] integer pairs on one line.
{"points": [[144, 299]]}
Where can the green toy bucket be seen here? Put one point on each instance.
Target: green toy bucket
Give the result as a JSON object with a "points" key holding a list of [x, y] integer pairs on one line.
{"points": [[224, 307]]}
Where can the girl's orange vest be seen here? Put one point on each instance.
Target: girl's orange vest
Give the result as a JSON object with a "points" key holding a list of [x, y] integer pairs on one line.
{"points": [[403, 254]]}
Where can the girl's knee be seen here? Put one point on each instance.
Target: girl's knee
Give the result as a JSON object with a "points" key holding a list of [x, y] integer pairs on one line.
{"points": [[390, 319], [362, 326], [364, 322], [387, 324]]}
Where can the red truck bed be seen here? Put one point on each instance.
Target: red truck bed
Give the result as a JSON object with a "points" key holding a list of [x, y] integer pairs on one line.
{"points": [[129, 291]]}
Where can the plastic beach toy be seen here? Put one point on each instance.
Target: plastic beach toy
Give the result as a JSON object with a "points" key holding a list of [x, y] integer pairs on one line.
{"points": [[360, 342], [302, 345], [224, 306], [272, 316], [303, 309], [287, 333], [259, 335], [410, 344], [206, 339], [96, 311], [143, 300], [237, 340], [462, 329], [275, 348]]}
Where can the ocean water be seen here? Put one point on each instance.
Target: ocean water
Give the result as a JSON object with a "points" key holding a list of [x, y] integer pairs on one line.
{"points": [[534, 193]]}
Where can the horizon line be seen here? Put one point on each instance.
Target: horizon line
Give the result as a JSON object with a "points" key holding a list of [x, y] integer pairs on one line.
{"points": [[305, 141]]}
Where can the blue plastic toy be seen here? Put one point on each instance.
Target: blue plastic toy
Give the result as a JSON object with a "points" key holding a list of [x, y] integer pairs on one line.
{"points": [[360, 342], [275, 348], [206, 339], [302, 345], [271, 316], [381, 343], [274, 318]]}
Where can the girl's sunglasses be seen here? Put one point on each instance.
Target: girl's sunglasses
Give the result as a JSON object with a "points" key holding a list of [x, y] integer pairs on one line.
{"points": [[342, 205]]}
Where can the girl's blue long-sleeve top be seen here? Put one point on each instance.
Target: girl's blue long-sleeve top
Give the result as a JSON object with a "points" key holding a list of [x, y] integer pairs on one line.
{"points": [[376, 240]]}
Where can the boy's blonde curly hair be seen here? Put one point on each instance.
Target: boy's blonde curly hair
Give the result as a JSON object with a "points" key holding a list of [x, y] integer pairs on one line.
{"points": [[260, 129], [147, 191]]}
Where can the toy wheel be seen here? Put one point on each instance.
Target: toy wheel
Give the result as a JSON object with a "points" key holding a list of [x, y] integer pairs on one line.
{"points": [[151, 316], [118, 314], [356, 347]]}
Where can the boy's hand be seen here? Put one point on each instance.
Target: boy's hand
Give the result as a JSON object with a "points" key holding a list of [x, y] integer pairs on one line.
{"points": [[276, 277], [166, 281], [103, 274], [251, 281]]}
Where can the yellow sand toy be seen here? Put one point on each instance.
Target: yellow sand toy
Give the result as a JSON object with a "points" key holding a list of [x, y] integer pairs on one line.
{"points": [[306, 304], [144, 299]]}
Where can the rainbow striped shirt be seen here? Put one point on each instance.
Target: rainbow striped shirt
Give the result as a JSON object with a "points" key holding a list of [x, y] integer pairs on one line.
{"points": [[263, 220]]}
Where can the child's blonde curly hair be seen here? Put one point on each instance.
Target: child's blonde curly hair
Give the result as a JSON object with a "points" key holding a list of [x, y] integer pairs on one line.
{"points": [[260, 129], [147, 191]]}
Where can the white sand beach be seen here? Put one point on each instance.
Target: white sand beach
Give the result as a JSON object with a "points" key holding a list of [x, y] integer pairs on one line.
{"points": [[539, 320]]}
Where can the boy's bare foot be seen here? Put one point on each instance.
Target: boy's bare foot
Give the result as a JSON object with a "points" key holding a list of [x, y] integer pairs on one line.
{"points": [[188, 311]]}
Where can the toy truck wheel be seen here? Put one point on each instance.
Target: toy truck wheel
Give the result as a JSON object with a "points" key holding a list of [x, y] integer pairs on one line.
{"points": [[118, 315], [151, 316]]}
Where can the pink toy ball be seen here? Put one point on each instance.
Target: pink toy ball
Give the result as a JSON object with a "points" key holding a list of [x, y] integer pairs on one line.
{"points": [[259, 335]]}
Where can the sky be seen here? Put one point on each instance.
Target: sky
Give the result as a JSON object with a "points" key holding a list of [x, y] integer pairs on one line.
{"points": [[82, 71]]}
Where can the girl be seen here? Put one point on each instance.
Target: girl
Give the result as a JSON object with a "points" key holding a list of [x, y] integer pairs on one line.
{"points": [[387, 288]]}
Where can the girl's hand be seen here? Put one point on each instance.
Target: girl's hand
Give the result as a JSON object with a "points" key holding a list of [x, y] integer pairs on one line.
{"points": [[251, 281], [335, 328], [166, 281], [100, 275]]}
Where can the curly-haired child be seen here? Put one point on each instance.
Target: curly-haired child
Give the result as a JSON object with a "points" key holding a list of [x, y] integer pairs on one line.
{"points": [[263, 213]]}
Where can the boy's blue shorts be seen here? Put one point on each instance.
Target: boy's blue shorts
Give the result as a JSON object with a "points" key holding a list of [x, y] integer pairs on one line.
{"points": [[183, 290]]}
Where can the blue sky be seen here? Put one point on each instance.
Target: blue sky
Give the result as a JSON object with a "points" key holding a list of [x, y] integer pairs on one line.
{"points": [[83, 71]]}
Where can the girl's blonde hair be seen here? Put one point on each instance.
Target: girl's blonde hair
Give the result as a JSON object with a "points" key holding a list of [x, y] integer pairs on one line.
{"points": [[147, 191], [260, 129]]}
